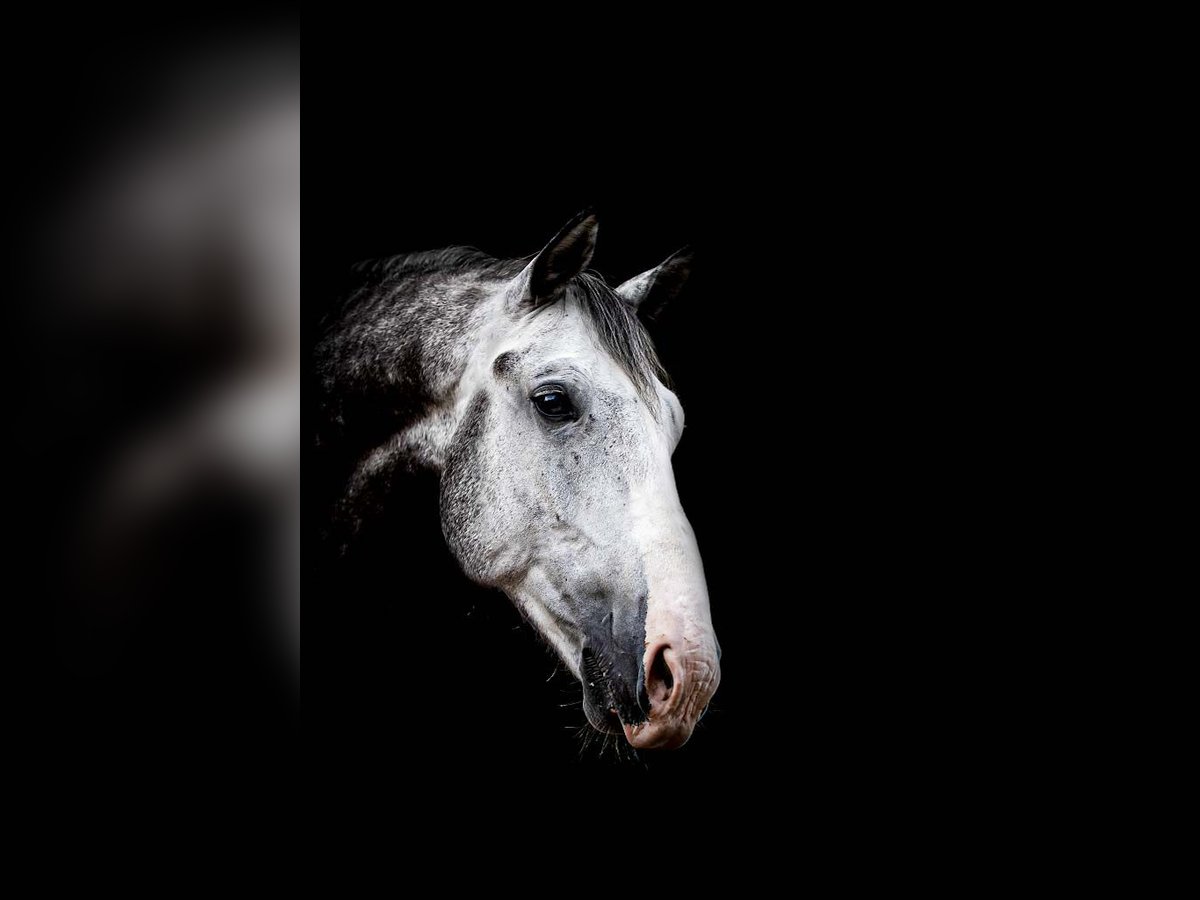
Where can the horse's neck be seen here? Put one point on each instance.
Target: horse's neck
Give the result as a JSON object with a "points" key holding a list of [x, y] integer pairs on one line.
{"points": [[391, 372]]}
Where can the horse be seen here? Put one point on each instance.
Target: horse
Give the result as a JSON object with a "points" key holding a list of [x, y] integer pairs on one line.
{"points": [[533, 390]]}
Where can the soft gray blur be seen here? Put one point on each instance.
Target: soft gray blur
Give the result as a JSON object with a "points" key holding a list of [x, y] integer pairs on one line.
{"points": [[170, 263]]}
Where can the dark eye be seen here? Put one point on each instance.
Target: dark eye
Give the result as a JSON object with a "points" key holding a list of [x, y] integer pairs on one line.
{"points": [[553, 403]]}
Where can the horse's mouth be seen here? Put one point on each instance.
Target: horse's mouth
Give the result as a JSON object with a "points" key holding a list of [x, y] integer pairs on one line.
{"points": [[612, 723], [604, 705], [605, 720]]}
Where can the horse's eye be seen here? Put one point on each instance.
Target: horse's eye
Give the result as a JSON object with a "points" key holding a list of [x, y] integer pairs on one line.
{"points": [[553, 403]]}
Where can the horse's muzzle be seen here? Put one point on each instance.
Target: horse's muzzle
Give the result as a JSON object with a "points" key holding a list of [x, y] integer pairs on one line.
{"points": [[655, 701], [678, 686]]}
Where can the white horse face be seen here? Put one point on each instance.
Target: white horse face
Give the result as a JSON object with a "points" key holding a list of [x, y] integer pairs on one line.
{"points": [[558, 489]]}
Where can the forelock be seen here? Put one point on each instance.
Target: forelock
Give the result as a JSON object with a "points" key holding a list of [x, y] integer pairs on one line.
{"points": [[621, 334]]}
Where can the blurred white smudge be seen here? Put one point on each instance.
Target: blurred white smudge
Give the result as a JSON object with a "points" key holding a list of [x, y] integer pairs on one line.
{"points": [[183, 242]]}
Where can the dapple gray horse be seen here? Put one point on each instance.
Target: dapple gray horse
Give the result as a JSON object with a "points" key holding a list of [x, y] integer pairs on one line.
{"points": [[532, 388]]}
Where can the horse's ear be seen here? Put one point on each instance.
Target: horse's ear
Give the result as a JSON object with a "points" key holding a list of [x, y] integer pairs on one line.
{"points": [[649, 292], [568, 253]]}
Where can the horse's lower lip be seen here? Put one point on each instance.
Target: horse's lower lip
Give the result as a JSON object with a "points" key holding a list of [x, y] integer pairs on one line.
{"points": [[610, 723], [667, 735], [601, 714]]}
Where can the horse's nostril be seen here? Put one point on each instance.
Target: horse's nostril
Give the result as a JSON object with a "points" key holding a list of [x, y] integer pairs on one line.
{"points": [[661, 682]]}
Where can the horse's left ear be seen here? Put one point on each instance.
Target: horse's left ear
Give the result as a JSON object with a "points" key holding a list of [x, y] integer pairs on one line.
{"points": [[651, 291], [545, 279]]}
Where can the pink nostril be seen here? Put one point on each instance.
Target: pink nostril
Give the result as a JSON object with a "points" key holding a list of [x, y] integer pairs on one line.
{"points": [[673, 695], [660, 681]]}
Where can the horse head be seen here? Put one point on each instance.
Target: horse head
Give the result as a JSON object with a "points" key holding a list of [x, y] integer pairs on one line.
{"points": [[557, 487]]}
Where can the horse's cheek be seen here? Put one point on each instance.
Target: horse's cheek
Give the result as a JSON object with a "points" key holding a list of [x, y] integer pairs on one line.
{"points": [[463, 508]]}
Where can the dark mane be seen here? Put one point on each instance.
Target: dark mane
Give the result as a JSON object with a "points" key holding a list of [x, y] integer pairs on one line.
{"points": [[447, 261], [618, 327]]}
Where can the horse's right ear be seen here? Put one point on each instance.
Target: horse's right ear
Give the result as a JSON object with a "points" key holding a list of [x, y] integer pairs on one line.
{"points": [[649, 292], [545, 279]]}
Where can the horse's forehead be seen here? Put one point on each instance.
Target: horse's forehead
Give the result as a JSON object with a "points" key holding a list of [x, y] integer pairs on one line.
{"points": [[562, 323], [566, 334]]}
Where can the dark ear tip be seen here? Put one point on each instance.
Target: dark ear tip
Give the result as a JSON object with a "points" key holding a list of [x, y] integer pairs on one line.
{"points": [[583, 222], [682, 259], [584, 215]]}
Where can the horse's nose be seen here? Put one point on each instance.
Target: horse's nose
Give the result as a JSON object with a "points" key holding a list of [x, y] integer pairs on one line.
{"points": [[676, 689], [660, 679]]}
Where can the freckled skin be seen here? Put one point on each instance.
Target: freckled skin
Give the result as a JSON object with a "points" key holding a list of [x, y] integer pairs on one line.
{"points": [[504, 364], [433, 362]]}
